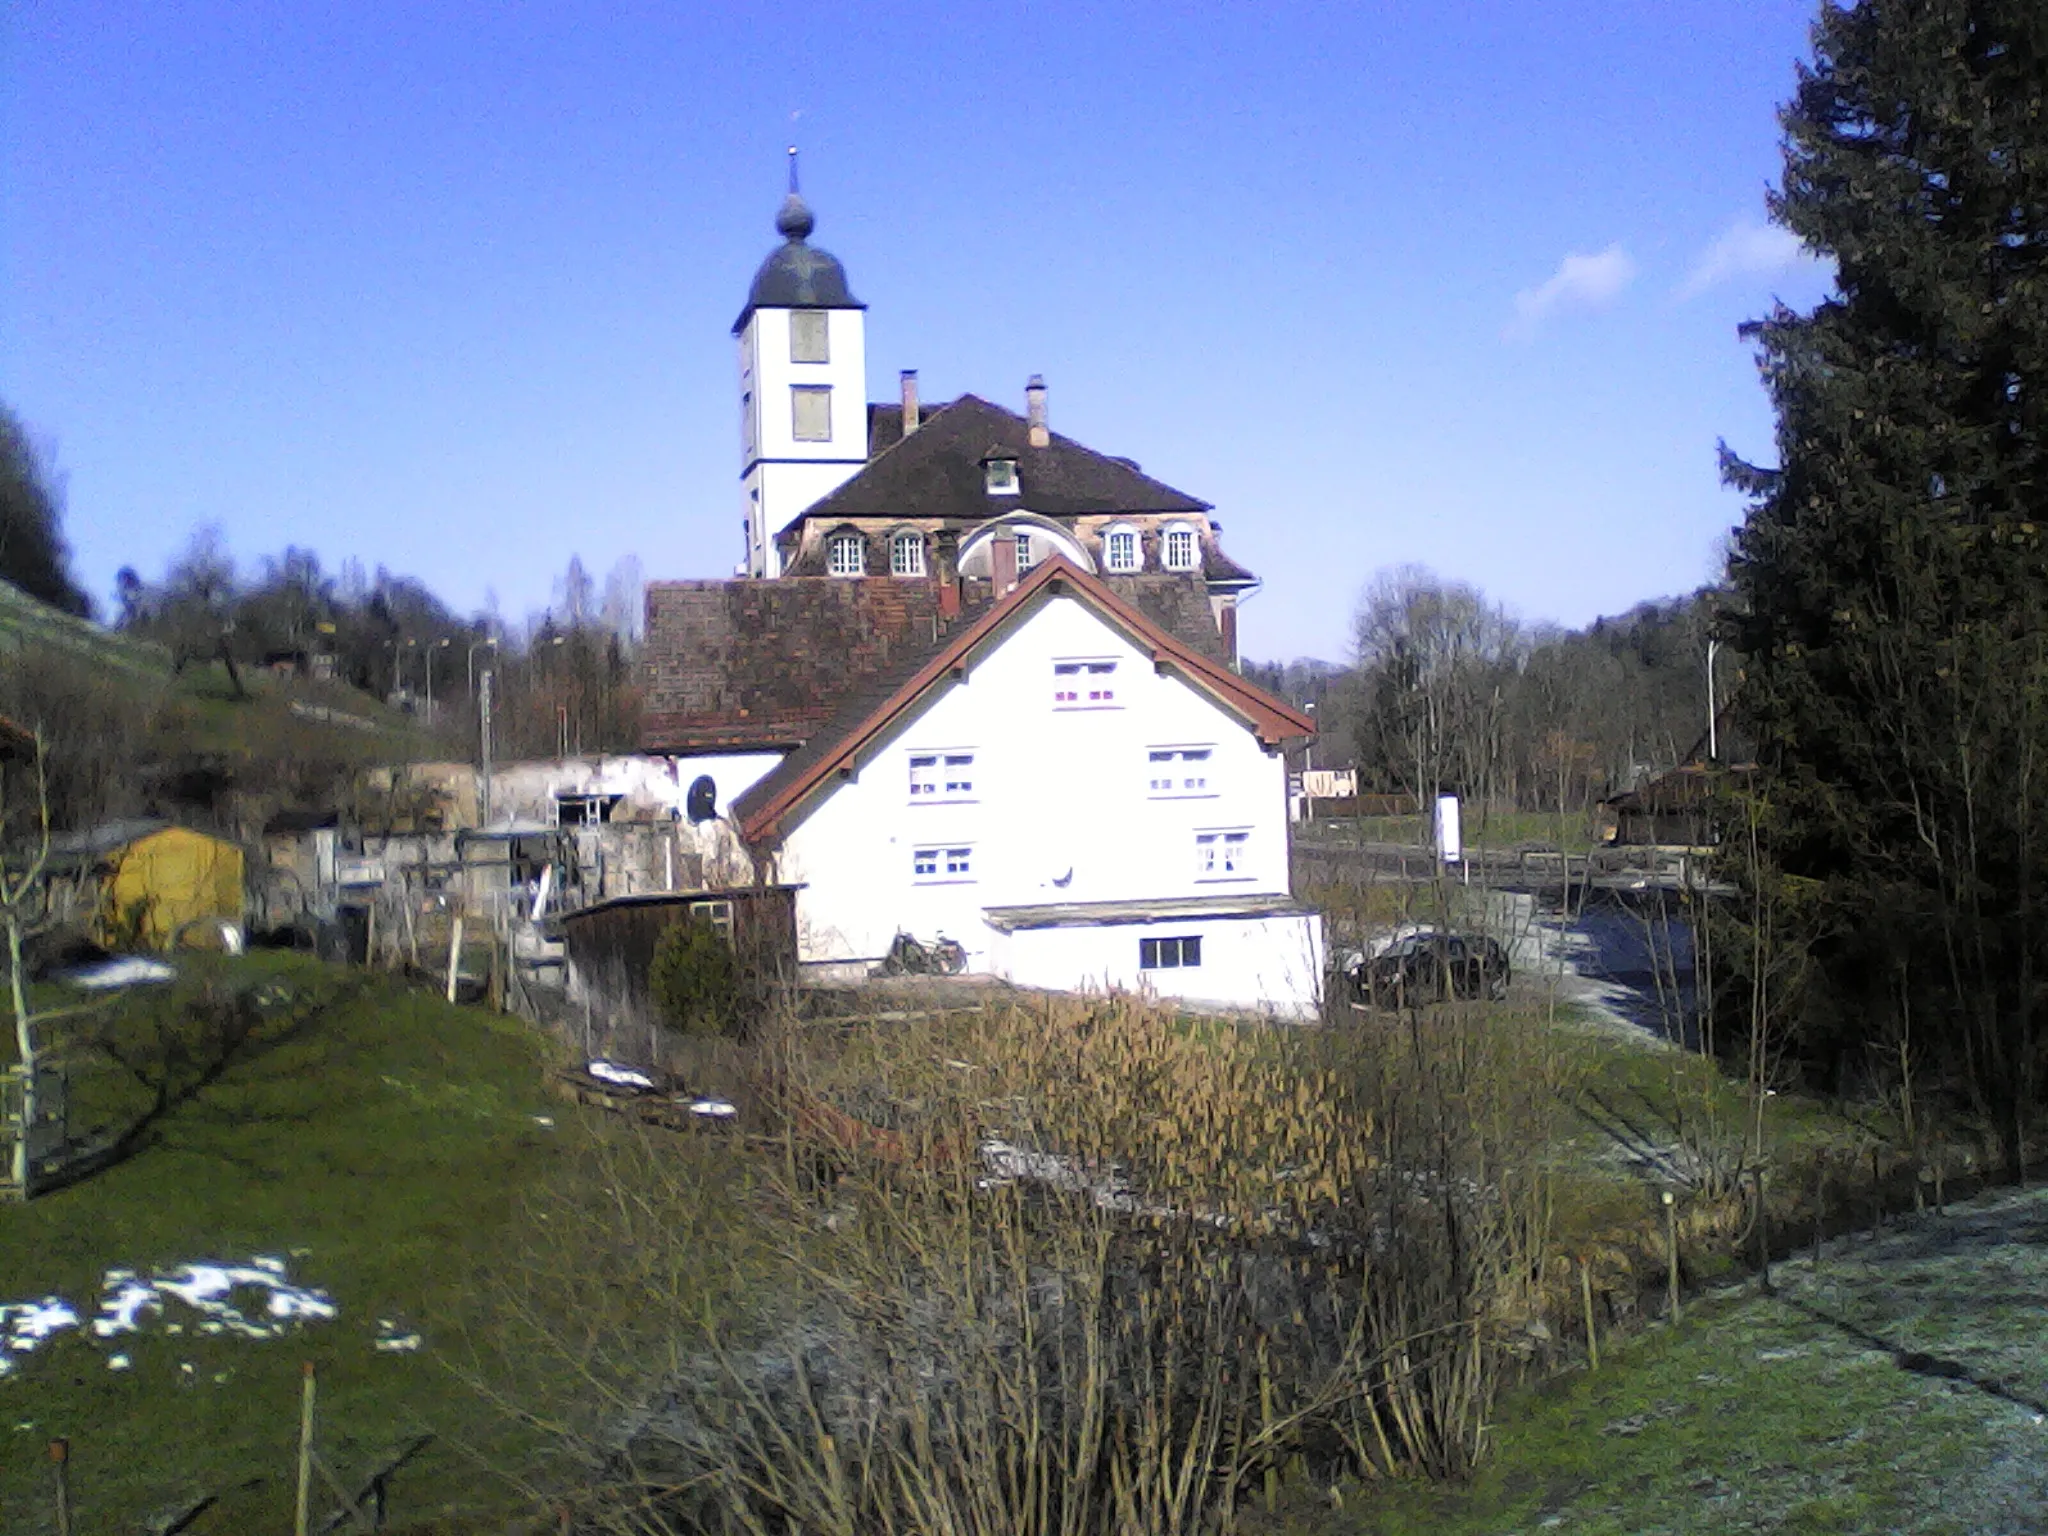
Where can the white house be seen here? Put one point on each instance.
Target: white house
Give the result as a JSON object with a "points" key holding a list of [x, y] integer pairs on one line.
{"points": [[1080, 798]]}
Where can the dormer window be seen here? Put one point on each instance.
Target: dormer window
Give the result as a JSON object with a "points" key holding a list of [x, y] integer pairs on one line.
{"points": [[846, 554], [1120, 551], [1002, 476], [1181, 549], [906, 554], [809, 338]]}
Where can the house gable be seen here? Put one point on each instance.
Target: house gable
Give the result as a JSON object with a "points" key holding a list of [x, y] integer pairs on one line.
{"points": [[778, 802]]}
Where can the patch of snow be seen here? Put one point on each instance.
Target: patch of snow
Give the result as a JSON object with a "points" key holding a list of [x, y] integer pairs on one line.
{"points": [[713, 1109], [117, 1362], [612, 1072], [121, 971], [25, 1324]]}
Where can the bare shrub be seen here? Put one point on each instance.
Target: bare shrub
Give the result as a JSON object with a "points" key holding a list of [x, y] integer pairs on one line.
{"points": [[1119, 1272]]}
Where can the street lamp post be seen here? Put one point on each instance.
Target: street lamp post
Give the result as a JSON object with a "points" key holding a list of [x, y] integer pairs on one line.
{"points": [[492, 642], [440, 644]]}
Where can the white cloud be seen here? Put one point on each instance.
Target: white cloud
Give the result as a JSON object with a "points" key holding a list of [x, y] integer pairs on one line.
{"points": [[1580, 282], [1747, 249]]}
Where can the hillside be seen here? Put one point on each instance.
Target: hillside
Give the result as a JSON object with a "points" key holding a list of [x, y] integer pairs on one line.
{"points": [[333, 1194]]}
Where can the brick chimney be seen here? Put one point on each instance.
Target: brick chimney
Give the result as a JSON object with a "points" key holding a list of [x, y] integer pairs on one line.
{"points": [[910, 408], [946, 571], [1034, 411]]}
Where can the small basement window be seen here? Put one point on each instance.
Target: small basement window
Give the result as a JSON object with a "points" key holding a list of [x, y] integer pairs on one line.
{"points": [[1176, 954], [1222, 855], [1002, 477], [1084, 685], [585, 810], [1179, 772], [846, 554]]}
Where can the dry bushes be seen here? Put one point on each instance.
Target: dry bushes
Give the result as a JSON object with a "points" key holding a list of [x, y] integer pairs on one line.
{"points": [[1130, 1274]]}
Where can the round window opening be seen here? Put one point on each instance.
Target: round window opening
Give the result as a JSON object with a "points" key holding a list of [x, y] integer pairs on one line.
{"points": [[703, 802]]}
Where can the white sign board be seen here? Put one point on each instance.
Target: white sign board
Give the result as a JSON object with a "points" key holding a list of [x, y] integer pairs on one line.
{"points": [[1449, 847]]}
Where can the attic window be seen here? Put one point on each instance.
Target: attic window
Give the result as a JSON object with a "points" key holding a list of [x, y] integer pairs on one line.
{"points": [[906, 554], [1120, 550], [1084, 685], [846, 554], [1180, 548], [1002, 477]]}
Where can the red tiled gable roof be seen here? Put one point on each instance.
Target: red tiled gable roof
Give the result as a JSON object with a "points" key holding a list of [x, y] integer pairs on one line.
{"points": [[766, 665], [766, 811], [762, 664]]}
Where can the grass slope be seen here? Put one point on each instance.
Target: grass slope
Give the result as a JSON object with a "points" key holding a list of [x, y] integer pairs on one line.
{"points": [[381, 1146], [1897, 1389]]}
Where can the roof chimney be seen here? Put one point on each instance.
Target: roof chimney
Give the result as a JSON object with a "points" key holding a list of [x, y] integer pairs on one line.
{"points": [[1034, 411], [910, 413]]}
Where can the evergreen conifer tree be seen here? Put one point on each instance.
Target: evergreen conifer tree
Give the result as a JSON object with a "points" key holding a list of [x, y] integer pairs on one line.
{"points": [[1891, 581], [32, 551]]}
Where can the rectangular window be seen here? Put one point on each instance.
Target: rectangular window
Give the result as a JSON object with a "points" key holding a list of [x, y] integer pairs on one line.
{"points": [[1084, 685], [1222, 855], [906, 555], [1170, 954], [584, 810], [1002, 477], [718, 914], [941, 865], [1120, 550], [1180, 549], [809, 338], [811, 413], [1023, 553], [936, 776], [1178, 772]]}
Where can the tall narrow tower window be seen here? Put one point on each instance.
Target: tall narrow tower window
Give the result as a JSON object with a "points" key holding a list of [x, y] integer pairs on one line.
{"points": [[811, 413], [809, 339]]}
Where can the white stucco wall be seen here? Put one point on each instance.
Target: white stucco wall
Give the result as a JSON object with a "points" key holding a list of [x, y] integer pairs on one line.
{"points": [[1061, 812], [789, 475], [1273, 962]]}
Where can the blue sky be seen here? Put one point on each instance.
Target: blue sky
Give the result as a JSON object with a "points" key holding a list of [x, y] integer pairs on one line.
{"points": [[449, 287]]}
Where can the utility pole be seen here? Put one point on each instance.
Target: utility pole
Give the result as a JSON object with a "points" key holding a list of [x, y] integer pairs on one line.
{"points": [[1713, 714], [484, 727]]}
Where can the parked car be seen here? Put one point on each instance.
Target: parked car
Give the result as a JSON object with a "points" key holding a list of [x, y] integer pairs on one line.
{"points": [[1429, 967]]}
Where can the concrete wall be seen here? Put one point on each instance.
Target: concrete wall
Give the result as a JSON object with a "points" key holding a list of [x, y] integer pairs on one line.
{"points": [[1273, 963], [1061, 811]]}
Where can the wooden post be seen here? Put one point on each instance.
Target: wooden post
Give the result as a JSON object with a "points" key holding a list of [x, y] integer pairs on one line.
{"points": [[1763, 1231], [60, 1465], [454, 957], [305, 1447], [1671, 1250], [1820, 1206], [1940, 1168], [1586, 1296], [1876, 1198]]}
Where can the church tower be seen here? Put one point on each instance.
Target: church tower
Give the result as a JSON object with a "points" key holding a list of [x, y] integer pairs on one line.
{"points": [[803, 382]]}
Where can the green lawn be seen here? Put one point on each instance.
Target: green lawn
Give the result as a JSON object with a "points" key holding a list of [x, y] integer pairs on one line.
{"points": [[1787, 1412], [377, 1141]]}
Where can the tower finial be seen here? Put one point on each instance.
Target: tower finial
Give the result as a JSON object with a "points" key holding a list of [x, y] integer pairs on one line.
{"points": [[794, 222]]}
